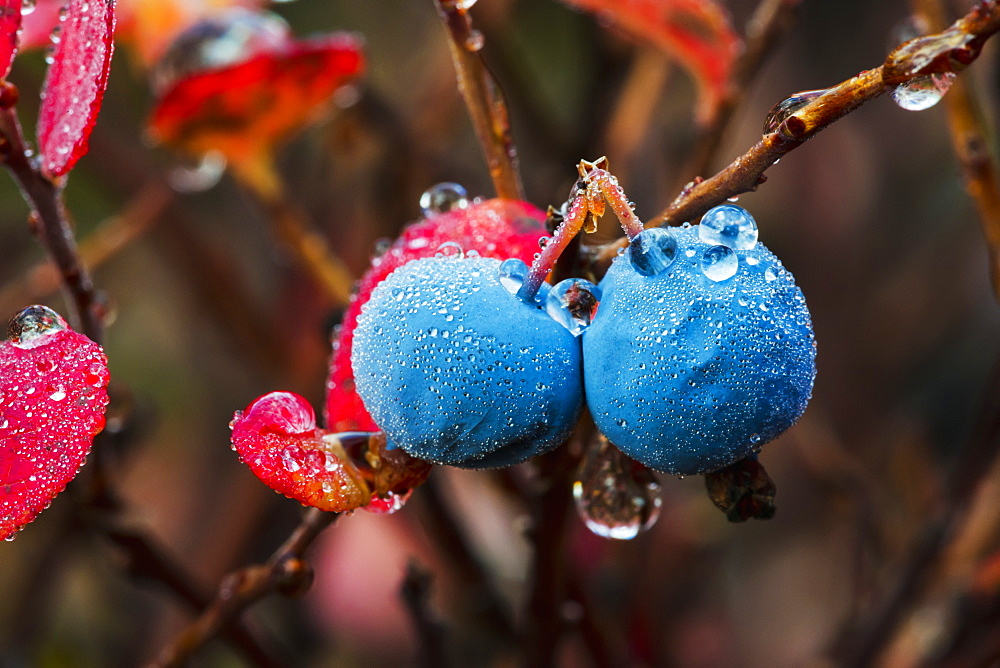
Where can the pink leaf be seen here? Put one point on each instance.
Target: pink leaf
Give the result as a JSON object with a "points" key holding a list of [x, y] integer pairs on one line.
{"points": [[10, 22], [52, 401], [75, 83]]}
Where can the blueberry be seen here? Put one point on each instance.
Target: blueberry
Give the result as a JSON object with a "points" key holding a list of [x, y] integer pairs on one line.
{"points": [[697, 365], [457, 370]]}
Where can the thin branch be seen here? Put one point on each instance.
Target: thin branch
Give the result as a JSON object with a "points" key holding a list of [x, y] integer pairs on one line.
{"points": [[904, 64], [285, 572], [483, 98], [52, 226], [415, 591]]}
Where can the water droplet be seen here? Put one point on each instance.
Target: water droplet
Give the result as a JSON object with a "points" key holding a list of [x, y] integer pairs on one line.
{"points": [[787, 107], [390, 504], [29, 328], [199, 176], [450, 250], [922, 92], [225, 38], [58, 395], [616, 497], [28, 6], [512, 273], [719, 263], [475, 41], [465, 5], [442, 198], [572, 303], [652, 251], [729, 225], [769, 275]]}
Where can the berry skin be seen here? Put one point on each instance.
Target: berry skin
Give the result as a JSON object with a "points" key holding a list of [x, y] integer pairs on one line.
{"points": [[699, 353], [494, 228], [457, 370]]}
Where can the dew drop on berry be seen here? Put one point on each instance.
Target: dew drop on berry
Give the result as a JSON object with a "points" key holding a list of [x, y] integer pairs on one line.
{"points": [[922, 92], [615, 496], [719, 263], [572, 303], [652, 251], [28, 6], [730, 226], [442, 198], [28, 328], [512, 273]]}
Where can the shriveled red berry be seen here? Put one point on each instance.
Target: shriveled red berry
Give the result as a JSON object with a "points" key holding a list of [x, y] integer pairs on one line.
{"points": [[276, 436], [53, 398], [495, 228]]}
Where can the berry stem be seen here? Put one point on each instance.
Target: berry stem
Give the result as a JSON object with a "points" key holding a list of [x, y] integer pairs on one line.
{"points": [[607, 184], [576, 213]]}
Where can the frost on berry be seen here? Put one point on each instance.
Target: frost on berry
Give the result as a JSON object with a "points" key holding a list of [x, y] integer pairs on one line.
{"points": [[276, 436], [239, 83], [495, 228], [75, 82], [52, 401]]}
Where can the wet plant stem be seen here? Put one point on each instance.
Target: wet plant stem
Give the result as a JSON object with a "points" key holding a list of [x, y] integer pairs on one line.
{"points": [[484, 99], [290, 225]]}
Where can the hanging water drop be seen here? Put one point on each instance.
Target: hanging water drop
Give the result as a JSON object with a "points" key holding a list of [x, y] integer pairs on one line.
{"points": [[652, 251], [475, 41], [719, 263], [442, 198], [29, 328], [200, 176], [28, 6], [787, 107], [616, 497], [922, 92], [572, 303], [728, 225], [512, 273]]}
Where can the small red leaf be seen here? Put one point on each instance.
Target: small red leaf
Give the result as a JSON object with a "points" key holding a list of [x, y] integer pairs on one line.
{"points": [[75, 83], [496, 228], [10, 23], [52, 400], [697, 33], [276, 436]]}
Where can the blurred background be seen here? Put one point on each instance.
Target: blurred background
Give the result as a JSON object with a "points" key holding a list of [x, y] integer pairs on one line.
{"points": [[210, 311]]}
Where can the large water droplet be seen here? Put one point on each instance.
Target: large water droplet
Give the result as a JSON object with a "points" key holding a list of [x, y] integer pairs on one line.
{"points": [[572, 303], [512, 273], [728, 225], [28, 6], [450, 250], [719, 263], [616, 497], [922, 92], [199, 176], [226, 38], [29, 328], [787, 107], [442, 198], [652, 251]]}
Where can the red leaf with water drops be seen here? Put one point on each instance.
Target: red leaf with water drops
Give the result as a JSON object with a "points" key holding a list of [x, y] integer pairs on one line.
{"points": [[276, 436], [495, 228], [37, 21], [75, 82], [52, 401], [10, 23], [697, 33]]}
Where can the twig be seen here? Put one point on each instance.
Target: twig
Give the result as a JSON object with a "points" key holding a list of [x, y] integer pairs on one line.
{"points": [[483, 98], [285, 572], [747, 172], [770, 22], [415, 591], [53, 227], [862, 644]]}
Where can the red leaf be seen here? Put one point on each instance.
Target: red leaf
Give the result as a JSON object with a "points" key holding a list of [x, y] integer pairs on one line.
{"points": [[75, 83], [495, 228], [52, 401], [276, 436], [249, 107], [695, 32], [10, 23]]}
